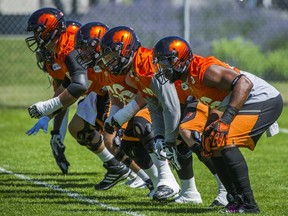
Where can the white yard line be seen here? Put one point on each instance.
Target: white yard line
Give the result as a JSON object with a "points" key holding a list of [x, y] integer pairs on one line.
{"points": [[74, 195], [283, 130]]}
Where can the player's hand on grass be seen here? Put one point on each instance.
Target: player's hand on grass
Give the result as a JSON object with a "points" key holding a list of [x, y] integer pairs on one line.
{"points": [[42, 123], [58, 149]]}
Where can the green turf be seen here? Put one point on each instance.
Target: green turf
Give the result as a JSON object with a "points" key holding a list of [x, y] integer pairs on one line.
{"points": [[28, 194]]}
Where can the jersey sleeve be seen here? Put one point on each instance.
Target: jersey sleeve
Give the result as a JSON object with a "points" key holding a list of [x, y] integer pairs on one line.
{"points": [[165, 111]]}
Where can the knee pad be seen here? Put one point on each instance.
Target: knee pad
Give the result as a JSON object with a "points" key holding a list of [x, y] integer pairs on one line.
{"points": [[143, 131], [95, 146], [85, 136]]}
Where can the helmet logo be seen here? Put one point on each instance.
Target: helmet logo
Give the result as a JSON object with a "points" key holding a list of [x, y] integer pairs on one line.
{"points": [[47, 20], [96, 32]]}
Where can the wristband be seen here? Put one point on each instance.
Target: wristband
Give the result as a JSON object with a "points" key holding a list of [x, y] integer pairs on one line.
{"points": [[229, 114], [50, 106], [126, 113]]}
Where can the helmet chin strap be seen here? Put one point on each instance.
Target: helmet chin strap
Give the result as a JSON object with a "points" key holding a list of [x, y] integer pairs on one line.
{"points": [[127, 66]]}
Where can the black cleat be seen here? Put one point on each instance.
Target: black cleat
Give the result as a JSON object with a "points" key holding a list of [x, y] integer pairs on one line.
{"points": [[164, 192], [113, 176], [240, 205]]}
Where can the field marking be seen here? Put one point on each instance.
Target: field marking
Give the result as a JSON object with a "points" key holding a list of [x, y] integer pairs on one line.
{"points": [[74, 195], [283, 130]]}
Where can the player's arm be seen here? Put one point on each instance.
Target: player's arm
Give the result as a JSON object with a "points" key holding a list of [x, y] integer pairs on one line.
{"points": [[229, 80], [171, 111], [128, 111], [77, 87], [239, 86]]}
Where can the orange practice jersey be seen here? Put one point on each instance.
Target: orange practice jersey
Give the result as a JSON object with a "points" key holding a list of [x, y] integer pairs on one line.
{"points": [[118, 87], [209, 96], [99, 80], [55, 70], [145, 70], [65, 45]]}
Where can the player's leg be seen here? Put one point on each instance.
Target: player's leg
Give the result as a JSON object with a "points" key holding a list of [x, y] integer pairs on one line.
{"points": [[136, 137], [82, 128], [193, 123], [167, 185], [245, 131], [189, 192]]}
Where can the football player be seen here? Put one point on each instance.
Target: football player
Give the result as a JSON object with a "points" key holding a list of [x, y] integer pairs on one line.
{"points": [[48, 62], [242, 107]]}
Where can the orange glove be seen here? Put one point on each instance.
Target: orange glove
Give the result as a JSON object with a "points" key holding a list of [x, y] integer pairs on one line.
{"points": [[206, 140], [219, 133]]}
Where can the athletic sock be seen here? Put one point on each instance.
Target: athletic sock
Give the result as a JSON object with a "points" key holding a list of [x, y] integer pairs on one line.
{"points": [[152, 172], [143, 175], [105, 155]]}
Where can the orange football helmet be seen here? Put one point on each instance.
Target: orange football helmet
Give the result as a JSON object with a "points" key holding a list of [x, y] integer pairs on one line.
{"points": [[171, 56], [118, 46], [72, 26], [87, 42], [46, 24]]}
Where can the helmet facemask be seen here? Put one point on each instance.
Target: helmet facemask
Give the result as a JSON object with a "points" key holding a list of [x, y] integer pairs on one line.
{"points": [[169, 68], [89, 54], [43, 56], [114, 60]]}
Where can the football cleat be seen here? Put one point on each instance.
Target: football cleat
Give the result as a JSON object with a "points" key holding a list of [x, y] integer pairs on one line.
{"points": [[238, 205], [164, 192], [221, 199], [189, 197], [135, 182], [242, 209], [113, 175]]}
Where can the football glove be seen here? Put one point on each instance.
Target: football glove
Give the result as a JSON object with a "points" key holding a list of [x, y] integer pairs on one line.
{"points": [[219, 133], [58, 149], [171, 154], [108, 126], [42, 123], [159, 148], [118, 137], [206, 138]]}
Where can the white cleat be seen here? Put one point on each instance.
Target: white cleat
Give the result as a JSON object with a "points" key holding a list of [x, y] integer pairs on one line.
{"points": [[221, 199], [136, 182], [189, 197]]}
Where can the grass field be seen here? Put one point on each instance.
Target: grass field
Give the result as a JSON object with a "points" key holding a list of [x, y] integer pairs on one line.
{"points": [[31, 183]]}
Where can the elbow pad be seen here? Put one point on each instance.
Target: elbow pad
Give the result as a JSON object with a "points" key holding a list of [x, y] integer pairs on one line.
{"points": [[79, 80], [78, 85]]}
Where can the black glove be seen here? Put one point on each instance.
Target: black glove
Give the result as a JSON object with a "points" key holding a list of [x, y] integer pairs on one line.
{"points": [[58, 149]]}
